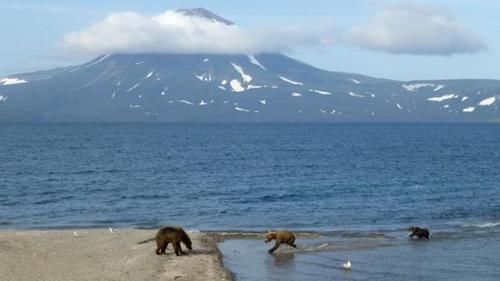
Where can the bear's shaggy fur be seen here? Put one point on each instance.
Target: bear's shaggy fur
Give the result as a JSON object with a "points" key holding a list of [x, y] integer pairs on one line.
{"points": [[169, 234], [280, 237], [419, 232]]}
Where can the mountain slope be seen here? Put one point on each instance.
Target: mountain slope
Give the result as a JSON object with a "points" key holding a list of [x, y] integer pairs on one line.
{"points": [[236, 88]]}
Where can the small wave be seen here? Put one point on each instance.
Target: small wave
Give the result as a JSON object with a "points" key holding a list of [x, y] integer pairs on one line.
{"points": [[483, 225]]}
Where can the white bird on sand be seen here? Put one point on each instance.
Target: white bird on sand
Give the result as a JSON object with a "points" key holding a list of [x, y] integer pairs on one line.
{"points": [[347, 265], [111, 229], [76, 234]]}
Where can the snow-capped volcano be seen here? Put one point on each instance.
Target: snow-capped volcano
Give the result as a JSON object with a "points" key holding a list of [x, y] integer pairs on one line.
{"points": [[203, 13], [235, 88]]}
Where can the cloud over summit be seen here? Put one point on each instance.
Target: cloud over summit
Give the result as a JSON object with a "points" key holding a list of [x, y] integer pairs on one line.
{"points": [[177, 32]]}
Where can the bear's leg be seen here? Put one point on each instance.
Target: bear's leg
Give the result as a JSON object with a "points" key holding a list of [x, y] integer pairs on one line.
{"points": [[276, 246]]}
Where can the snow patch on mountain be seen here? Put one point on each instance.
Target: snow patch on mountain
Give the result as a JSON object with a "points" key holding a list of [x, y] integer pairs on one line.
{"points": [[442, 98], [488, 101], [439, 87], [469, 109], [352, 94], [290, 81], [236, 86], [254, 60], [205, 77], [324, 93], [186, 102], [98, 61], [12, 81], [416, 86], [246, 78], [249, 87], [241, 109], [133, 87]]}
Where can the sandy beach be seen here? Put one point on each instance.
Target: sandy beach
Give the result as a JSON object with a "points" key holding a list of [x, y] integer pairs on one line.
{"points": [[98, 254]]}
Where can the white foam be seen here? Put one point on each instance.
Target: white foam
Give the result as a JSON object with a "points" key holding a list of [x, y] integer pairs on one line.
{"points": [[399, 106], [296, 94], [254, 60], [202, 102], [263, 101], [246, 78], [206, 60], [236, 86], [139, 62], [12, 81], [241, 109], [149, 74], [3, 98], [186, 102], [221, 87], [135, 106], [133, 87], [469, 109], [488, 101], [465, 98], [223, 82], [355, 81], [352, 94], [290, 81], [162, 93], [325, 93], [442, 98]]}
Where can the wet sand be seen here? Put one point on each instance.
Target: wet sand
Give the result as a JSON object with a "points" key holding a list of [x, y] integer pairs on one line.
{"points": [[98, 254]]}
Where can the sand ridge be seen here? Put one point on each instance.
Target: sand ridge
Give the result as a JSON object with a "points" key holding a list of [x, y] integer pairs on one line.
{"points": [[99, 254]]}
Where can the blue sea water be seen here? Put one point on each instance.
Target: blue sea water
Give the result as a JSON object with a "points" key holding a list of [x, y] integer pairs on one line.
{"points": [[358, 185], [249, 176]]}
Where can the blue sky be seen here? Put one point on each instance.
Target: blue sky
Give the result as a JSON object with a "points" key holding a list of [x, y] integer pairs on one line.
{"points": [[438, 39]]}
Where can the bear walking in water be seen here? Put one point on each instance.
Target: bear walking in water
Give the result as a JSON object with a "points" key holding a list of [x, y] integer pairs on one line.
{"points": [[280, 237], [419, 232]]}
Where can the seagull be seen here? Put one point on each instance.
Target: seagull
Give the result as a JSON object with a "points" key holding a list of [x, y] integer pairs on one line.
{"points": [[76, 234], [347, 265], [111, 229]]}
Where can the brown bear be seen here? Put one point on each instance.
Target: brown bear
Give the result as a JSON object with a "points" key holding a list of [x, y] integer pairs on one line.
{"points": [[419, 232], [281, 237], [169, 234]]}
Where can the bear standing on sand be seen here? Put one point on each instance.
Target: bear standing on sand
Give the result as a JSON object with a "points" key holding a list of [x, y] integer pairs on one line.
{"points": [[419, 232], [169, 234], [281, 237]]}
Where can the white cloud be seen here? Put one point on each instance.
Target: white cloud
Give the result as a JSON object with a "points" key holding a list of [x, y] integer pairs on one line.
{"points": [[175, 32], [415, 29]]}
